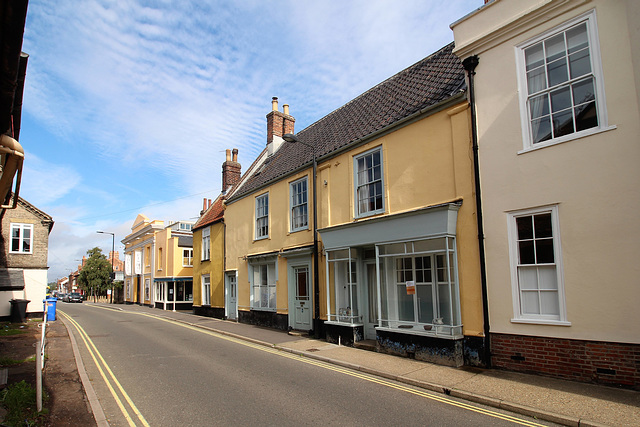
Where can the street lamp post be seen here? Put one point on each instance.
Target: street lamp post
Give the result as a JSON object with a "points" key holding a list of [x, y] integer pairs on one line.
{"points": [[113, 248], [289, 137]]}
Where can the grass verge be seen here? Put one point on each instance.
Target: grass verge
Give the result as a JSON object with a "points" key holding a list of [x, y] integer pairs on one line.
{"points": [[19, 399]]}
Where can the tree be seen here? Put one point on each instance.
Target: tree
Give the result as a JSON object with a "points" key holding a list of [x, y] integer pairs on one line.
{"points": [[95, 274]]}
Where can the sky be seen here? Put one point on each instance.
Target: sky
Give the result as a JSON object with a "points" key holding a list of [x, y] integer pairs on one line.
{"points": [[129, 105]]}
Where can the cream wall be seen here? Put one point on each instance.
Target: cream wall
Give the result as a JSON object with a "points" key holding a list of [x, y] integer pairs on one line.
{"points": [[594, 179]]}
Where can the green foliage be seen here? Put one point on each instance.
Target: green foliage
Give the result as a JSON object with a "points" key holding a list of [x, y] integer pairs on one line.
{"points": [[95, 272], [20, 401]]}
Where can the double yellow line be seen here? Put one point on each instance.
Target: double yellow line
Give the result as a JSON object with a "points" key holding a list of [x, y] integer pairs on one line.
{"points": [[100, 363]]}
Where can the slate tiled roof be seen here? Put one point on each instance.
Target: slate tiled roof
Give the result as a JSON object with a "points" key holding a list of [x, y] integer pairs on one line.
{"points": [[214, 213], [432, 80]]}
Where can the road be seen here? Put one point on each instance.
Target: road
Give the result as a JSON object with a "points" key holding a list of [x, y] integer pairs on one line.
{"points": [[161, 373]]}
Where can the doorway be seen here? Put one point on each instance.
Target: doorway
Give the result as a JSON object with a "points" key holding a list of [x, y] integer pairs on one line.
{"points": [[371, 315], [231, 294], [300, 296]]}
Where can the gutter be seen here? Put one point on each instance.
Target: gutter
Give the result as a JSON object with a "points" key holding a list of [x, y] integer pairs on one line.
{"points": [[470, 65], [13, 153]]}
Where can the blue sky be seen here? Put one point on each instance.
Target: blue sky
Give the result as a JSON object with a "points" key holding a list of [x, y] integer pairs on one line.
{"points": [[130, 105]]}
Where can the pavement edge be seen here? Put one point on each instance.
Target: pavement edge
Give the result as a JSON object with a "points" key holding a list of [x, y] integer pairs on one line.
{"points": [[96, 407]]}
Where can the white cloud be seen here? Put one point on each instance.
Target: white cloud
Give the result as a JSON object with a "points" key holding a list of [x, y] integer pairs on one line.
{"points": [[47, 182]]}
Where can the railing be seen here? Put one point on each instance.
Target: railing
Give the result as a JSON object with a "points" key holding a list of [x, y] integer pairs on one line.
{"points": [[40, 345]]}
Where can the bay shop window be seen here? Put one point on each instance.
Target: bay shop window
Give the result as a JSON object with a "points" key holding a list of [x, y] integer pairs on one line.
{"points": [[173, 293], [398, 273]]}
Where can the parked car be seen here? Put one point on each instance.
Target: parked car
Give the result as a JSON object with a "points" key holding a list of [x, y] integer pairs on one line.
{"points": [[74, 297], [61, 296]]}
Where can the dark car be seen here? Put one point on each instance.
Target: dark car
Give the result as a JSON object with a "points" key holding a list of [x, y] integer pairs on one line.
{"points": [[74, 297]]}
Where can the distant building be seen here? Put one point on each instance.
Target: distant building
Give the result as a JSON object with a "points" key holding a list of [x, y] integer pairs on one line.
{"points": [[158, 264]]}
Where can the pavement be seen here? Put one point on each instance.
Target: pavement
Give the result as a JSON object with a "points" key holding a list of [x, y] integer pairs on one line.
{"points": [[550, 399]]}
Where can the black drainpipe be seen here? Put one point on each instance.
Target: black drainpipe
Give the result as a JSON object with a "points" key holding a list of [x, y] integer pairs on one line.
{"points": [[470, 65]]}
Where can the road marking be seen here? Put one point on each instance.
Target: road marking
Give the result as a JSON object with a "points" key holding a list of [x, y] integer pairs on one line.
{"points": [[93, 351], [345, 371]]}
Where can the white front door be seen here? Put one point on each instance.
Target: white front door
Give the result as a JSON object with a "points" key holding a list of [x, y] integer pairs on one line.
{"points": [[231, 291], [302, 307], [371, 315]]}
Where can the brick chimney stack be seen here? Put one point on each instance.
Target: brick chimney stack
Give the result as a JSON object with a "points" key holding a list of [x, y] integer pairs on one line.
{"points": [[278, 123], [231, 171]]}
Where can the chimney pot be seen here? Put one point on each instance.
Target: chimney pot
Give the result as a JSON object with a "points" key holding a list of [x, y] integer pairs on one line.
{"points": [[285, 109], [209, 202], [230, 171], [274, 103], [204, 204], [228, 154]]}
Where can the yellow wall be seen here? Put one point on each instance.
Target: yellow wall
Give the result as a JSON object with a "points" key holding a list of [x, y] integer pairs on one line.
{"points": [[240, 220], [214, 266], [425, 163]]}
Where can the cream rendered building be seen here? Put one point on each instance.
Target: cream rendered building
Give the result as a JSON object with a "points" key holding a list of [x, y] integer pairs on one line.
{"points": [[557, 89]]}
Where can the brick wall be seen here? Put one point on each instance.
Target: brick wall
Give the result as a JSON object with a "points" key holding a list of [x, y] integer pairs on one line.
{"points": [[586, 361], [22, 214], [279, 123]]}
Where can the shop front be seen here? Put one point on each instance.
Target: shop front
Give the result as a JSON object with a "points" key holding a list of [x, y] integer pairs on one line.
{"points": [[173, 293], [394, 279]]}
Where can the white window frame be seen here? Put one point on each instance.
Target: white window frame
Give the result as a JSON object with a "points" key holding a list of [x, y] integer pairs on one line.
{"points": [[518, 315], [295, 204], [596, 72], [256, 268], [365, 213], [262, 217], [206, 289], [189, 257], [206, 244], [21, 239]]}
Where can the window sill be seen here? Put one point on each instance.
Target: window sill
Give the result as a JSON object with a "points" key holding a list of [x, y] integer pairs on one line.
{"points": [[542, 322], [567, 138], [299, 229], [368, 214], [336, 322], [257, 239], [21, 253]]}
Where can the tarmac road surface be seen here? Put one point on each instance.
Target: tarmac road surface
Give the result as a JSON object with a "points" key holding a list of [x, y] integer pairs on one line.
{"points": [[160, 373]]}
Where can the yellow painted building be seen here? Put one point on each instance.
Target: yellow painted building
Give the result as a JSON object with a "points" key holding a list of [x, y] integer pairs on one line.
{"points": [[398, 251], [159, 264], [208, 264]]}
